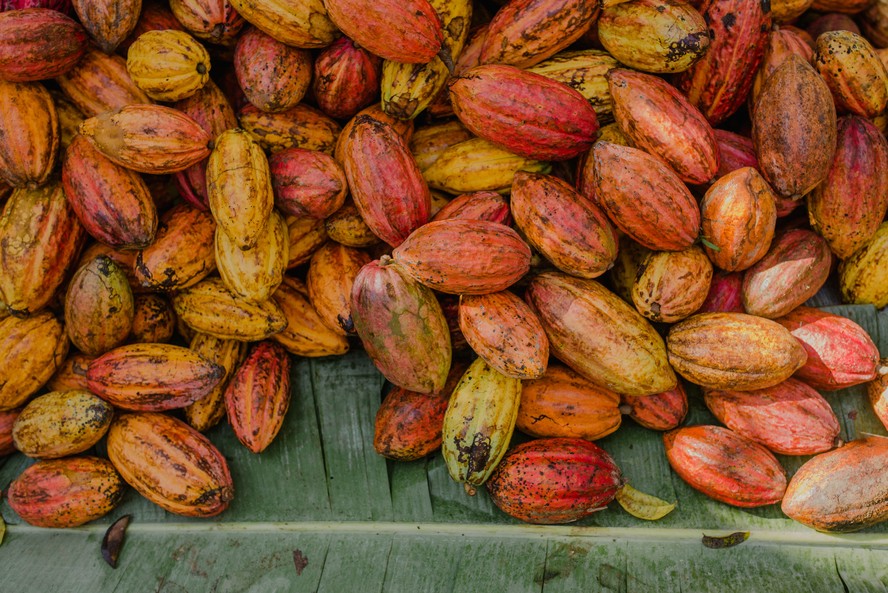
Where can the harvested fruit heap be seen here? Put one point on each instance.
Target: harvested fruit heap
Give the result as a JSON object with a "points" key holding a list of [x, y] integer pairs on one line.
{"points": [[195, 191]]}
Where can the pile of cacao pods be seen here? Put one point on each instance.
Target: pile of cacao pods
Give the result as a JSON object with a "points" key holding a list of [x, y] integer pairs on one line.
{"points": [[599, 200]]}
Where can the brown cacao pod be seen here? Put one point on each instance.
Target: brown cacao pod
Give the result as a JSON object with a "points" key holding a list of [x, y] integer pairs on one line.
{"points": [[254, 274], [300, 23], [38, 43], [65, 492], [30, 142], [99, 83], [71, 374], [660, 411], [551, 481], [464, 256], [672, 285], [148, 138], [215, 21], [154, 320], [258, 395], [61, 423], [40, 237], [274, 76], [643, 197], [306, 334], [525, 113], [725, 466], [302, 127], [794, 128], [782, 43], [565, 227], [847, 208], [307, 182], [854, 73], [182, 253], [725, 294], [99, 307], [842, 490], [331, 276], [112, 203], [874, 23], [346, 78], [739, 213], [306, 236], [109, 22], [733, 351], [789, 418], [561, 403], [794, 269], [170, 464], [863, 277], [600, 336], [206, 412], [840, 352]]}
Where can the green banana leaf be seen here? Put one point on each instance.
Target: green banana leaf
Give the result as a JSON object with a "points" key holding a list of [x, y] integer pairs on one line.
{"points": [[319, 510]]}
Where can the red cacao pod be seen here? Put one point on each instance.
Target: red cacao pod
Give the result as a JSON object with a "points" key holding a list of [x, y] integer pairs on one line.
{"points": [[38, 43]]}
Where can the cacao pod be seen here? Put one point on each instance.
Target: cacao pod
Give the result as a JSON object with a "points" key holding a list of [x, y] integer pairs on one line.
{"points": [[306, 334], [206, 412], [109, 22], [215, 21], [300, 23], [61, 423], [346, 78], [254, 274], [29, 124], [274, 76], [302, 127], [660, 411], [100, 82], [863, 277], [99, 308], [38, 43], [672, 285]]}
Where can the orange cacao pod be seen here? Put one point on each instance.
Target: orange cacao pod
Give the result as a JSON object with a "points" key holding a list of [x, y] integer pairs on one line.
{"points": [[660, 411], [306, 236], [551, 481], [35, 348], [65, 492], [782, 42], [109, 22], [170, 464], [99, 83], [215, 21], [99, 307], [302, 127], [30, 142], [854, 73], [672, 285], [303, 23], [480, 205], [348, 227], [306, 334], [794, 269], [600, 336], [61, 423], [464, 256], [154, 320], [346, 78], [331, 276], [258, 395], [206, 412], [38, 43], [733, 351], [785, 11], [71, 374], [274, 76], [725, 466], [842, 490]]}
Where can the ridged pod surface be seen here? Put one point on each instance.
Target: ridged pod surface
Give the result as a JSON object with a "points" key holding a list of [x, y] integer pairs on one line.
{"points": [[210, 308], [853, 71], [209, 410], [38, 43], [599, 335], [330, 281], [307, 235], [841, 354], [170, 464], [622, 275], [790, 418], [464, 256], [306, 334], [842, 490], [307, 182], [154, 319], [863, 277], [182, 253], [65, 492], [643, 197], [168, 65], [30, 142], [525, 113], [660, 411], [35, 348], [40, 237], [481, 205], [785, 11], [523, 33], [782, 42], [148, 138], [61, 423], [506, 333], [794, 128], [99, 308], [109, 22], [584, 71], [112, 203], [401, 326], [152, 377], [256, 273], [302, 127], [672, 285], [258, 395], [654, 35], [725, 294], [403, 127], [739, 214], [565, 227], [215, 21], [300, 23], [346, 78], [725, 466], [552, 481], [407, 31], [273, 76], [99, 82], [720, 81], [794, 269], [562, 403], [70, 119], [71, 374], [847, 208], [660, 120], [733, 351], [479, 422], [386, 185]]}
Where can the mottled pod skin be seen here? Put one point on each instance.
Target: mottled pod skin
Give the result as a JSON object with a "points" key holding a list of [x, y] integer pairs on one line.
{"points": [[790, 418], [739, 214], [182, 252], [672, 285], [301, 24], [30, 142], [526, 32], [302, 127], [786, 11], [170, 464], [99, 308], [63, 6], [853, 71], [273, 76], [346, 78], [65, 492], [71, 374], [307, 235], [307, 182], [464, 256], [630, 256], [99, 82], [660, 411], [109, 22], [584, 71], [417, 354], [782, 42], [256, 273], [306, 334], [35, 348], [562, 403], [38, 43], [61, 423], [843, 490], [154, 319], [599, 335], [258, 395], [152, 377], [480, 205], [840, 352], [725, 466], [556, 480], [209, 410], [407, 31], [347, 226], [565, 227], [403, 127], [523, 112], [215, 21], [733, 351], [168, 65], [863, 277], [330, 280]]}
